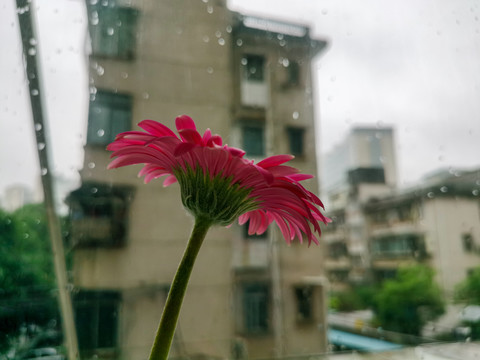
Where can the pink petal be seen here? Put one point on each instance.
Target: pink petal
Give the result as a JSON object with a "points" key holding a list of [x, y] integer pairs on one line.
{"points": [[155, 128], [274, 160], [185, 122]]}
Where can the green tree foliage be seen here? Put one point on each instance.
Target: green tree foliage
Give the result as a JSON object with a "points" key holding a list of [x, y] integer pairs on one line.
{"points": [[406, 303], [27, 279], [468, 291]]}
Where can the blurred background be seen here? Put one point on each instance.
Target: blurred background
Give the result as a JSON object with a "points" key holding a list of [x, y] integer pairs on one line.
{"points": [[378, 99]]}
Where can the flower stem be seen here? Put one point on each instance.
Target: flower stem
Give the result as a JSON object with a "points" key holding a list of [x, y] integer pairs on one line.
{"points": [[166, 328]]}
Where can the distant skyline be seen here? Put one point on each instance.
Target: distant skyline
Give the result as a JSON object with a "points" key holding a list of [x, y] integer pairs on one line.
{"points": [[408, 64]]}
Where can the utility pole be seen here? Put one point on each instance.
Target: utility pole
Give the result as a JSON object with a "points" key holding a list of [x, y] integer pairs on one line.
{"points": [[30, 55], [277, 313]]}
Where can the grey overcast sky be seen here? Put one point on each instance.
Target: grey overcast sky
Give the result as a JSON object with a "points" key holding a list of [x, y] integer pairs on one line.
{"points": [[411, 64]]}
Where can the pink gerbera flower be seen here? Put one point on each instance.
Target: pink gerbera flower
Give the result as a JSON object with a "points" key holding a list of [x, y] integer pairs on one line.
{"points": [[217, 183]]}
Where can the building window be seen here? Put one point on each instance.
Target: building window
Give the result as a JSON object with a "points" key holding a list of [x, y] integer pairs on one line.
{"points": [[98, 214], [254, 91], [304, 296], [109, 114], [253, 68], [296, 140], [113, 31], [253, 140], [467, 242], [96, 319], [256, 308]]}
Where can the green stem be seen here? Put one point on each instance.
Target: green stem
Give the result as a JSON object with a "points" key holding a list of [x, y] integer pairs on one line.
{"points": [[166, 328]]}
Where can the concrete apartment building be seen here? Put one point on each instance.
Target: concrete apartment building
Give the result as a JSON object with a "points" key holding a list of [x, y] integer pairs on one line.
{"points": [[378, 228], [248, 79]]}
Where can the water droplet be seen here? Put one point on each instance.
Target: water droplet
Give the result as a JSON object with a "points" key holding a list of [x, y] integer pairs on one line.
{"points": [[221, 41], [431, 195], [124, 75], [210, 70], [295, 115], [146, 95], [91, 165], [100, 70], [282, 42], [93, 190], [206, 38], [93, 90], [93, 2], [477, 182], [100, 132], [444, 189], [285, 62], [33, 41], [119, 23], [44, 171], [205, 1], [26, 236], [41, 146], [210, 9], [110, 31], [229, 29], [475, 192], [280, 36], [94, 20], [34, 92], [38, 127], [218, 33], [244, 61], [239, 42]]}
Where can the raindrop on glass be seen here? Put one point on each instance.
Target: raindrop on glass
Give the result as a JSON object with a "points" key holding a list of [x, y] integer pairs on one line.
{"points": [[34, 92], [221, 41], [295, 115], [239, 42], [91, 165], [44, 171], [431, 195], [475, 192], [206, 38], [94, 21], [443, 189], [146, 95], [110, 31], [41, 146], [285, 62], [33, 41], [280, 36], [94, 190], [282, 42], [124, 75], [100, 132], [38, 127], [210, 70], [218, 33], [229, 29], [100, 70], [210, 9], [244, 61]]}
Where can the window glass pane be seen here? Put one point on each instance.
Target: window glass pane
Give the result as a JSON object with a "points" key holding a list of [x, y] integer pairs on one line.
{"points": [[253, 140]]}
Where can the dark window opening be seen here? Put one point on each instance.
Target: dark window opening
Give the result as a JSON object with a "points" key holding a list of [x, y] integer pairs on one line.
{"points": [[113, 31], [296, 140], [304, 296], [468, 244], [253, 67], [108, 115], [253, 140], [96, 319], [256, 308], [98, 215]]}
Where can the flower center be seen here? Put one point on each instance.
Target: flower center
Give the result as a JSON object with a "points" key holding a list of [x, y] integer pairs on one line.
{"points": [[215, 199]]}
